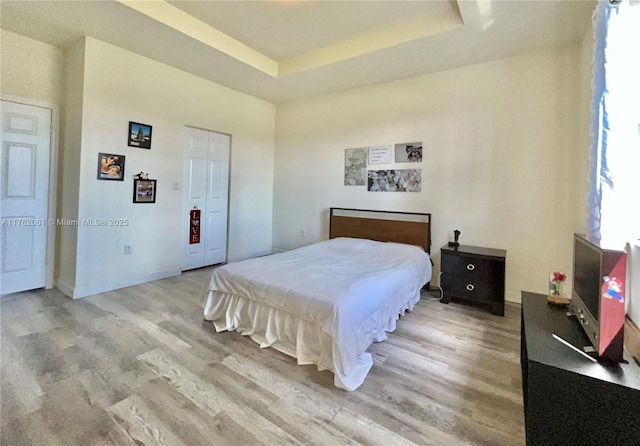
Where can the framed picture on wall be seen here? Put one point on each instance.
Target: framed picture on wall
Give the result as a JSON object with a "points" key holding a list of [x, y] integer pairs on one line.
{"points": [[355, 168], [144, 191], [410, 152], [397, 180], [110, 167], [139, 135], [381, 154]]}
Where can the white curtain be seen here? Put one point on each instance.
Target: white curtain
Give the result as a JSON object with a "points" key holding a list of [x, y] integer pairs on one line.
{"points": [[614, 181], [614, 177]]}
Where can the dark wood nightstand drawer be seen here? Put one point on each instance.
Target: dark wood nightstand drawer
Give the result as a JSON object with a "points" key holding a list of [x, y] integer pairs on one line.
{"points": [[469, 288], [468, 266], [473, 274]]}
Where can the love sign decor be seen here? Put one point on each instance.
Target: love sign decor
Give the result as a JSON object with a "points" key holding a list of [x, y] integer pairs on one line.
{"points": [[194, 226]]}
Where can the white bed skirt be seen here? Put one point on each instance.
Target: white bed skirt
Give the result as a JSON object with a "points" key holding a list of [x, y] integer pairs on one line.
{"points": [[302, 339]]}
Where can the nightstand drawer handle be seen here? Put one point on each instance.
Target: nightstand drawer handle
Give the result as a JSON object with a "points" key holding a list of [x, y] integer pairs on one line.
{"points": [[470, 287], [471, 267]]}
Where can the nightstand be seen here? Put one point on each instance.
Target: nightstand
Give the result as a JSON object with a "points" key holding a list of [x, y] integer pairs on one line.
{"points": [[474, 275]]}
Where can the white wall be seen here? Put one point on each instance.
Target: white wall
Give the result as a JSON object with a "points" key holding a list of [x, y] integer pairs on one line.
{"points": [[583, 118], [31, 69], [503, 160], [69, 167], [505, 157], [120, 86]]}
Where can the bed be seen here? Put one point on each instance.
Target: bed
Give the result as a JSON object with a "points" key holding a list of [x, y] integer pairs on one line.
{"points": [[326, 303]]}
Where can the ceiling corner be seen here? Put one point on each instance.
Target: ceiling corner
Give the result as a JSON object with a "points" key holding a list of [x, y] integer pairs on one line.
{"points": [[167, 14]]}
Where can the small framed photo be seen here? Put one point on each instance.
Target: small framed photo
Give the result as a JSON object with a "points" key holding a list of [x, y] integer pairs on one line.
{"points": [[410, 152], [144, 191], [110, 167], [139, 135]]}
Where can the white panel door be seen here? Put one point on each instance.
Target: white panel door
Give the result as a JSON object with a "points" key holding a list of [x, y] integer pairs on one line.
{"points": [[206, 187], [24, 188], [217, 199]]}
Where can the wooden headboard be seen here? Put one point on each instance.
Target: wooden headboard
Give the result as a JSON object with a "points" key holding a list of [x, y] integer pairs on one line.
{"points": [[384, 226]]}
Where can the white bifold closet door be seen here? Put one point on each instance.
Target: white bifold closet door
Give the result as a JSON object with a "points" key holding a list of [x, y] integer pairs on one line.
{"points": [[206, 187]]}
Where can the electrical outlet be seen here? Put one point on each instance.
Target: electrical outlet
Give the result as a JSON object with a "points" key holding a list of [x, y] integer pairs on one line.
{"points": [[127, 250]]}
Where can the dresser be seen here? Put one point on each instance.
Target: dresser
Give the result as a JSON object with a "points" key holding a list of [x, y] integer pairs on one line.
{"points": [[473, 275], [568, 399]]}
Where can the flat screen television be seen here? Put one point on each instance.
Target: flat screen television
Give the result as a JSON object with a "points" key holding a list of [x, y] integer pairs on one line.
{"points": [[598, 294]]}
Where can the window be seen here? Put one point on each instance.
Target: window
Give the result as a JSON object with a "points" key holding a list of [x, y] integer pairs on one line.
{"points": [[615, 153], [614, 191]]}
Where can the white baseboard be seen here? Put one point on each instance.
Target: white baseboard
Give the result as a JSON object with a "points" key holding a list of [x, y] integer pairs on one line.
{"points": [[513, 296], [80, 292], [65, 288]]}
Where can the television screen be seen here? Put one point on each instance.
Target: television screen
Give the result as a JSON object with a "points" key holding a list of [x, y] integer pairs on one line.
{"points": [[586, 275]]}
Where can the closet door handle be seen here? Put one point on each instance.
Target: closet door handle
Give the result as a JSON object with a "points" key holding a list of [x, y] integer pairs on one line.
{"points": [[470, 287]]}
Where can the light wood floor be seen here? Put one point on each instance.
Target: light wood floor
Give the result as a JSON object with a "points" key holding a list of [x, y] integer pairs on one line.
{"points": [[140, 366]]}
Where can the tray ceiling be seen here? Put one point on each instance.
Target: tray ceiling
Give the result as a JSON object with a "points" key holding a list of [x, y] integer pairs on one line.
{"points": [[286, 50]]}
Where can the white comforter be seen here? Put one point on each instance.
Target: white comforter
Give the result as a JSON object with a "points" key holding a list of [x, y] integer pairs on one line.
{"points": [[324, 303]]}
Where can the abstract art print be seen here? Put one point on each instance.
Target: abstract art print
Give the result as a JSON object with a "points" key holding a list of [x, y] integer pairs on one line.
{"points": [[410, 152], [355, 167], [398, 180], [139, 135]]}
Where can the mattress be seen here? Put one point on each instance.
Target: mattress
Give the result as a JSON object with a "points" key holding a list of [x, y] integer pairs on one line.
{"points": [[323, 304]]}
